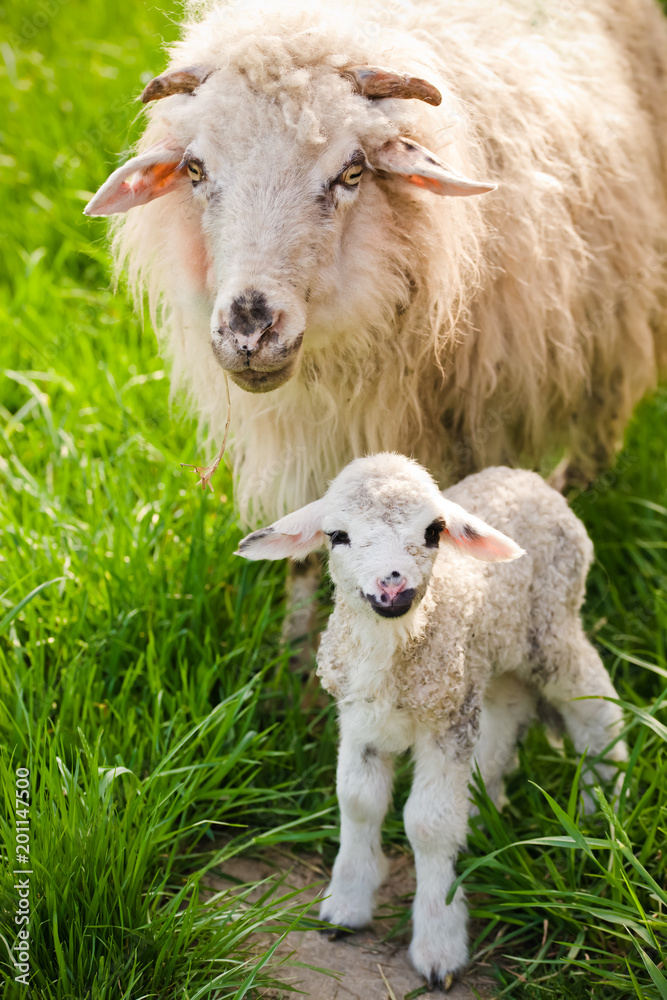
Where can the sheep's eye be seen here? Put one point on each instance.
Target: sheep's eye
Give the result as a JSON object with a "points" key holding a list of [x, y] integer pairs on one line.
{"points": [[432, 533], [352, 175], [338, 538], [195, 171]]}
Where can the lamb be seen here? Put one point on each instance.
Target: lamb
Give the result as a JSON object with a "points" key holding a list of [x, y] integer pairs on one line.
{"points": [[431, 649], [293, 221]]}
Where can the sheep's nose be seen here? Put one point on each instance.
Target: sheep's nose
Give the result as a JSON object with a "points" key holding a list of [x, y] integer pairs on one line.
{"points": [[395, 597], [249, 319], [391, 586]]}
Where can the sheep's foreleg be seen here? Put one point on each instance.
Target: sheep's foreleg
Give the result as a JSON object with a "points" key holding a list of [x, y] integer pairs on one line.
{"points": [[436, 819], [364, 780]]}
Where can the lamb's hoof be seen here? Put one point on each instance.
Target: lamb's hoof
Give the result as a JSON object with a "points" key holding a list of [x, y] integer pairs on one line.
{"points": [[435, 982], [336, 933]]}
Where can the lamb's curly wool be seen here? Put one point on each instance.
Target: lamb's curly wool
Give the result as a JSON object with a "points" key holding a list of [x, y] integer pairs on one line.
{"points": [[444, 635], [517, 322], [476, 618]]}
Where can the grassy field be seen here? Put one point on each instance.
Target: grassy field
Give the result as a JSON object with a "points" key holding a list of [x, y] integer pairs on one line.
{"points": [[141, 678]]}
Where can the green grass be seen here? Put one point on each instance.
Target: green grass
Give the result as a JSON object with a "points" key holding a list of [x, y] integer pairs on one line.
{"points": [[145, 686]]}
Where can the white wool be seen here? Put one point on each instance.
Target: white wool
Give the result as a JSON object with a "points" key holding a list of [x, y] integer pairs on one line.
{"points": [[465, 331], [476, 618], [456, 676]]}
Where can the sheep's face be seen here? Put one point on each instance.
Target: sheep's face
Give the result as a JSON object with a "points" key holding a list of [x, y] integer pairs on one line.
{"points": [[383, 520], [383, 546], [275, 215], [279, 224]]}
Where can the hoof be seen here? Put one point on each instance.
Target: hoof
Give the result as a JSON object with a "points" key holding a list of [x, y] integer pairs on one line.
{"points": [[435, 982]]}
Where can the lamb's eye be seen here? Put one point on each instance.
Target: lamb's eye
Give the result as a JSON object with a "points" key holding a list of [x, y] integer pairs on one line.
{"points": [[432, 533], [195, 171], [338, 538], [352, 175]]}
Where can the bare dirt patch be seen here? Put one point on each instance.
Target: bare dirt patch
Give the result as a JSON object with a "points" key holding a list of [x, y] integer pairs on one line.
{"points": [[366, 965]]}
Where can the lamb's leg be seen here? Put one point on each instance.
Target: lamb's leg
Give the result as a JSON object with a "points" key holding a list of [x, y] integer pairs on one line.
{"points": [[300, 626], [573, 669], [363, 783], [436, 819], [508, 707]]}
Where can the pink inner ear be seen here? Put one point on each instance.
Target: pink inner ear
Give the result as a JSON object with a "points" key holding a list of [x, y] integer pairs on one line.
{"points": [[490, 548], [151, 182], [423, 182], [144, 185], [448, 187], [303, 546], [142, 179]]}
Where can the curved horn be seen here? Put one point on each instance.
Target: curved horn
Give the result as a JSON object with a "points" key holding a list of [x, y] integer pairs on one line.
{"points": [[176, 81], [373, 81]]}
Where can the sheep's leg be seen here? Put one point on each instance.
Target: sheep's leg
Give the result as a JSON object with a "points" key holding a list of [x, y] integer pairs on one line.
{"points": [[301, 618], [508, 707], [363, 783], [573, 669], [436, 819]]}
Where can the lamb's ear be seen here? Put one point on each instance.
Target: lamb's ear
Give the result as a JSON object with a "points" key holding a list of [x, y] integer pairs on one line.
{"points": [[158, 170], [292, 537], [407, 161], [474, 537]]}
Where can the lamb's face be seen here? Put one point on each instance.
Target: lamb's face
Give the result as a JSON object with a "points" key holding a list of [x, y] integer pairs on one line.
{"points": [[383, 520], [383, 543]]}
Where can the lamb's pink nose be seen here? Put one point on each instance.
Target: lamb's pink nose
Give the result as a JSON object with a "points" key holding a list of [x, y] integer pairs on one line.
{"points": [[392, 585]]}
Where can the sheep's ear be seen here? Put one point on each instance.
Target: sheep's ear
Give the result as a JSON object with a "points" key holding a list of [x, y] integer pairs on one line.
{"points": [[292, 537], [158, 170], [474, 537], [406, 160]]}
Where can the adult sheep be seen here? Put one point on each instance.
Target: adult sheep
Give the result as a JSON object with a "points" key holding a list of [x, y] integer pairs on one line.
{"points": [[299, 245]]}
